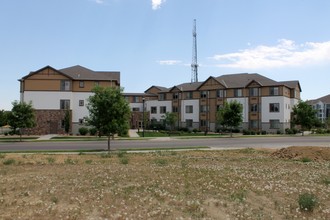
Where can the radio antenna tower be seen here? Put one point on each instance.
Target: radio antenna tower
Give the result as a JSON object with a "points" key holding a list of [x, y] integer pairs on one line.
{"points": [[194, 65]]}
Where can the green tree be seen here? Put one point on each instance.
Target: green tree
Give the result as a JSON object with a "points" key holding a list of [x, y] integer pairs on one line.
{"points": [[230, 116], [170, 118], [3, 118], [67, 121], [304, 115], [21, 116], [109, 112]]}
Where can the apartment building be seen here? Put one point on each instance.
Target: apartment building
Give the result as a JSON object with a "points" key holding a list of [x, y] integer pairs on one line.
{"points": [[55, 91], [322, 107], [266, 103]]}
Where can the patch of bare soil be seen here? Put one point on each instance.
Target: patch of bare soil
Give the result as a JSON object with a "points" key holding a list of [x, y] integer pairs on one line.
{"points": [[299, 153]]}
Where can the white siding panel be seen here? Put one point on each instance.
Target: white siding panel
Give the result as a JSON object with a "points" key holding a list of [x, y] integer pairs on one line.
{"points": [[79, 112], [245, 103], [281, 115], [158, 104], [47, 100], [195, 115]]}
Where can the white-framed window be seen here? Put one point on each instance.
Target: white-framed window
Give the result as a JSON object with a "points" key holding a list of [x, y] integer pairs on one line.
{"points": [[189, 95], [273, 91], [204, 108], [81, 121], [81, 84], [161, 97], [221, 93], [162, 109], [175, 95], [189, 109], [274, 124], [65, 85], [238, 92], [64, 104], [274, 107], [204, 123], [175, 108], [254, 108], [81, 103], [204, 94], [253, 124], [254, 91], [135, 109]]}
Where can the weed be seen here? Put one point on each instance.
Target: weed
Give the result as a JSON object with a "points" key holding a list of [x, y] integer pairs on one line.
{"points": [[88, 162], [307, 202], [70, 161], [50, 160], [239, 196], [123, 160], [54, 199], [121, 154], [106, 155], [326, 180], [81, 153], [161, 162], [2, 156], [24, 156], [306, 160], [9, 162]]}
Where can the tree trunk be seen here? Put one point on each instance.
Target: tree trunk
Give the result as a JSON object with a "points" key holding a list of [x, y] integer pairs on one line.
{"points": [[109, 143]]}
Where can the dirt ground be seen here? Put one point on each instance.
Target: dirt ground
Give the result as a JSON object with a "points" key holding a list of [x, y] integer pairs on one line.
{"points": [[228, 184]]}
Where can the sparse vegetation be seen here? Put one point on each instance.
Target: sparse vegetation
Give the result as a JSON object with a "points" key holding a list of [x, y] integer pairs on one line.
{"points": [[231, 184], [9, 161]]}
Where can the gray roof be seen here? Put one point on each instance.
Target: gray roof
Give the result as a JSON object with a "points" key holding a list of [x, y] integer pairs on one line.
{"points": [[82, 73], [243, 79], [324, 99], [192, 86]]}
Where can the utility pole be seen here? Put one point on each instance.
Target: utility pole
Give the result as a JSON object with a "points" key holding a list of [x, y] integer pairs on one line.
{"points": [[194, 64]]}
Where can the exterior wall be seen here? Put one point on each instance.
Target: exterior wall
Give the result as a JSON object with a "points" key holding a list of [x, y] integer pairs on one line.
{"points": [[158, 104], [244, 101], [193, 116], [79, 112], [46, 100]]}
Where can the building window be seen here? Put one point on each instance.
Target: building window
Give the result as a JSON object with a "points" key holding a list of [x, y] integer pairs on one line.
{"points": [[161, 97], [81, 84], [273, 91], [175, 109], [162, 109], [65, 104], [274, 124], [81, 121], [253, 124], [81, 103], [135, 99], [221, 93], [153, 110], [96, 83], [204, 94], [189, 109], [175, 95], [135, 109], [204, 108], [189, 123], [254, 91], [189, 95], [238, 93], [254, 108], [204, 123], [274, 107], [65, 85]]}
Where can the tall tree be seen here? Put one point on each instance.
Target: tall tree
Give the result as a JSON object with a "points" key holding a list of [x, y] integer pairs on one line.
{"points": [[230, 115], [109, 112], [304, 115], [21, 116], [3, 118]]}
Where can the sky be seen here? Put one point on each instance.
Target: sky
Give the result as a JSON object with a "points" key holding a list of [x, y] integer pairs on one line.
{"points": [[150, 41]]}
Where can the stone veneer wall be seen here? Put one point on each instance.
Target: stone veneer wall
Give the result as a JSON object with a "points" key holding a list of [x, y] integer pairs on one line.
{"points": [[47, 122]]}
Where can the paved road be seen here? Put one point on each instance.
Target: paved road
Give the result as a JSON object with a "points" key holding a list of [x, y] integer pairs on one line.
{"points": [[219, 143]]}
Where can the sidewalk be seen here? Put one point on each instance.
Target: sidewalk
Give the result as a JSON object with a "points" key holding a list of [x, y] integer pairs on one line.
{"points": [[133, 133], [46, 137]]}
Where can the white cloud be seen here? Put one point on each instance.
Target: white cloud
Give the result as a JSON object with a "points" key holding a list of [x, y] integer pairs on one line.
{"points": [[285, 54], [169, 62], [156, 4], [98, 1]]}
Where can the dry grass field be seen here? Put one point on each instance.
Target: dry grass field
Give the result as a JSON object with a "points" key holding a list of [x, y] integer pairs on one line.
{"points": [[230, 184]]}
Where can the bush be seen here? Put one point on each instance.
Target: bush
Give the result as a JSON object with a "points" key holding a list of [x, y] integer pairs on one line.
{"points": [[195, 130], [83, 131], [123, 160], [92, 131], [307, 202], [263, 132], [9, 162]]}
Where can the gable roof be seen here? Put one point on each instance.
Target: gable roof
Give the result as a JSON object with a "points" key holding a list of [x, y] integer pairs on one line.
{"points": [[81, 73], [184, 87], [239, 80], [324, 99]]}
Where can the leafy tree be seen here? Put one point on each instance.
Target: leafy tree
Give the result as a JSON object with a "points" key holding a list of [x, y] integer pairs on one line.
{"points": [[109, 112], [67, 121], [304, 115], [21, 116], [230, 115], [170, 118], [3, 118]]}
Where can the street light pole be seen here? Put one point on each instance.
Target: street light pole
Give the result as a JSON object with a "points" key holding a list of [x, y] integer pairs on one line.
{"points": [[143, 117]]}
